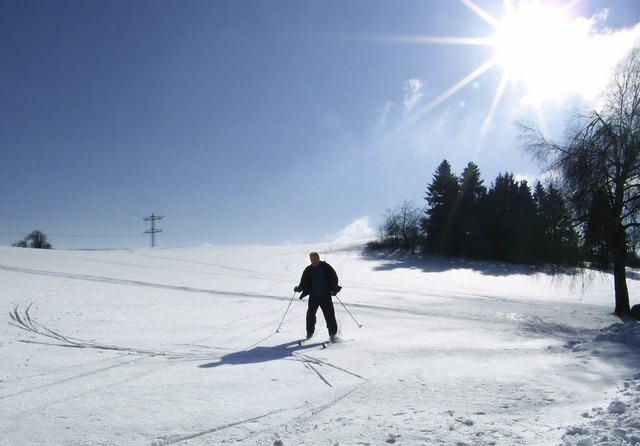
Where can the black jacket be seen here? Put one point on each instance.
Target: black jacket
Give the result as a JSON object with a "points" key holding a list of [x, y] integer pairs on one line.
{"points": [[329, 273]]}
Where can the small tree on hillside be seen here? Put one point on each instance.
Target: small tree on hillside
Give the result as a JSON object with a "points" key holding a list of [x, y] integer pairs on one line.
{"points": [[401, 227], [37, 239]]}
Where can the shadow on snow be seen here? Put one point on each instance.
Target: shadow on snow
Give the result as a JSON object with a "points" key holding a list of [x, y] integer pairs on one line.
{"points": [[260, 354], [390, 259]]}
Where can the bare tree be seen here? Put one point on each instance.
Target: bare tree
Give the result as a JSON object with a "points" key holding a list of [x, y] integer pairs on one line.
{"points": [[601, 161], [401, 226], [37, 239]]}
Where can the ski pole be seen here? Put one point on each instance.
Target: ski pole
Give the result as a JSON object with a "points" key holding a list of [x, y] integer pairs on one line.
{"points": [[285, 313], [354, 319]]}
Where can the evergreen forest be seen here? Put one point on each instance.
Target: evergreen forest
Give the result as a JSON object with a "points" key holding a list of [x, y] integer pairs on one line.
{"points": [[508, 221]]}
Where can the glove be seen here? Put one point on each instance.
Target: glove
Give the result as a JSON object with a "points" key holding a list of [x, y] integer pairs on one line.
{"points": [[297, 289], [336, 290]]}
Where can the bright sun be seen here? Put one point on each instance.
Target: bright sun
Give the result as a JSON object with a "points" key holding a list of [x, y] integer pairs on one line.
{"points": [[539, 48], [539, 45], [543, 49]]}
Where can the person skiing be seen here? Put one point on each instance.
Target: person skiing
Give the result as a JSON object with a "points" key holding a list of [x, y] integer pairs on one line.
{"points": [[319, 281]]}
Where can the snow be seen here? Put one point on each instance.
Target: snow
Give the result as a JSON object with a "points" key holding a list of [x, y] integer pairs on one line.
{"points": [[179, 347]]}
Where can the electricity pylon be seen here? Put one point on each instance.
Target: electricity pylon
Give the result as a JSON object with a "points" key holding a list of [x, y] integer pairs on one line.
{"points": [[153, 231]]}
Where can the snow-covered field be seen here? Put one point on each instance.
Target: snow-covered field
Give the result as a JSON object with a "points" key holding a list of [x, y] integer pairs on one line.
{"points": [[179, 346]]}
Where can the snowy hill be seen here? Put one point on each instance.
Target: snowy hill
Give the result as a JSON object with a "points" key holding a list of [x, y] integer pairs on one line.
{"points": [[179, 346]]}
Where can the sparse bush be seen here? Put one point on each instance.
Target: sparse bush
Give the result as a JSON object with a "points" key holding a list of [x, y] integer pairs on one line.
{"points": [[37, 239]]}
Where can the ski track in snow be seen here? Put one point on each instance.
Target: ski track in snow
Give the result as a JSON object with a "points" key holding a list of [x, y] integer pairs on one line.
{"points": [[293, 424], [22, 318], [116, 281], [616, 424]]}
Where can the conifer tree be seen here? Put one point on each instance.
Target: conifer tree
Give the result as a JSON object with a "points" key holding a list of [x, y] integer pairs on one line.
{"points": [[499, 228], [524, 219], [558, 239], [441, 199], [472, 193]]}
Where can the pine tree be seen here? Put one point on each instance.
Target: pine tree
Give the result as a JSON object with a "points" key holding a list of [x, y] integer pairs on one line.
{"points": [[598, 229], [558, 241], [499, 227], [441, 199], [472, 193], [524, 219]]}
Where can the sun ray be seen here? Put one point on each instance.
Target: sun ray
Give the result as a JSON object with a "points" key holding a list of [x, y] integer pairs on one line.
{"points": [[494, 105], [542, 52], [497, 97], [483, 41], [532, 43], [491, 20], [452, 90]]}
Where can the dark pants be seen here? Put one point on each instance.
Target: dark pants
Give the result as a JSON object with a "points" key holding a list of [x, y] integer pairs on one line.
{"points": [[326, 305]]}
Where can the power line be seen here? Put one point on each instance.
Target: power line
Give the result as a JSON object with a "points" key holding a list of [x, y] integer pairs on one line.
{"points": [[75, 235], [153, 231]]}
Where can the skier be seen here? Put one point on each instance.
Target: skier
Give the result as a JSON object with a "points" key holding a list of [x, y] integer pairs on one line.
{"points": [[319, 281]]}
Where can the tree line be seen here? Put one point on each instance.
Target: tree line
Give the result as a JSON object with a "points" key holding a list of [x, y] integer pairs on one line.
{"points": [[590, 215], [506, 222]]}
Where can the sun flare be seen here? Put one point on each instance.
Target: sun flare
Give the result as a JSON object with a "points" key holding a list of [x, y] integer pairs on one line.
{"points": [[544, 49], [540, 46]]}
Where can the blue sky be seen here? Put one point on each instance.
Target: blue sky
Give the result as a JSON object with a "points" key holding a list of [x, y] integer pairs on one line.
{"points": [[269, 122]]}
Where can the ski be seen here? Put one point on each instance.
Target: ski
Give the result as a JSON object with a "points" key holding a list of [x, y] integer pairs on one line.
{"points": [[322, 344], [310, 343], [302, 342], [328, 342]]}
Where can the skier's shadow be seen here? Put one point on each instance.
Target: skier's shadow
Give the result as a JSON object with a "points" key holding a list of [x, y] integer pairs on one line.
{"points": [[260, 354]]}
